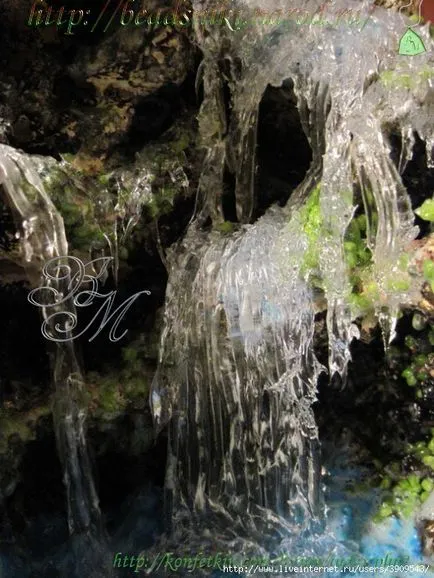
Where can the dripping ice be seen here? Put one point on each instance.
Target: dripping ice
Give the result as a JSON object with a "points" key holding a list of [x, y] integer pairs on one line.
{"points": [[236, 383], [42, 237]]}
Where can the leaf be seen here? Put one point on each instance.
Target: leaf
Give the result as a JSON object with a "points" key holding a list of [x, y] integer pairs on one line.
{"points": [[428, 270], [426, 210], [409, 376], [428, 461], [414, 482], [427, 484], [385, 510]]}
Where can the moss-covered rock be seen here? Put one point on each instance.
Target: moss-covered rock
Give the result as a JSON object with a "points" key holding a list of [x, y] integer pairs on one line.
{"points": [[16, 425], [171, 162], [114, 392], [17, 429], [111, 396], [81, 203]]}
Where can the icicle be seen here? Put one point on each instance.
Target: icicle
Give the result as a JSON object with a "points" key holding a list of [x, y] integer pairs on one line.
{"points": [[237, 374], [43, 237]]}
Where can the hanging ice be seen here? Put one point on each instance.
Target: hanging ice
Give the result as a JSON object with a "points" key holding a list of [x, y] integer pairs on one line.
{"points": [[235, 383]]}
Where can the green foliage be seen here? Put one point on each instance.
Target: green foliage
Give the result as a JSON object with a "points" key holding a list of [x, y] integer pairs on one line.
{"points": [[404, 497], [356, 252], [225, 227], [424, 452], [399, 285], [110, 400], [77, 205], [361, 302], [409, 376], [115, 391], [134, 372], [162, 202], [390, 78], [411, 343], [182, 143], [21, 425], [400, 282], [404, 491], [428, 272], [11, 424], [312, 225], [365, 291], [418, 373], [129, 354], [104, 179], [170, 161], [426, 210]]}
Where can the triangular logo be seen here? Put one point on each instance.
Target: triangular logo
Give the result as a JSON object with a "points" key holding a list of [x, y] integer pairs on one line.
{"points": [[411, 44]]}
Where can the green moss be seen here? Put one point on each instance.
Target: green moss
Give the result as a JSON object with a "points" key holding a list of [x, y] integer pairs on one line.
{"points": [[116, 390], [426, 210], [426, 73], [30, 191], [312, 225], [409, 376], [104, 179], [225, 227], [137, 388], [360, 302], [104, 393], [358, 257], [134, 373], [390, 78], [77, 205], [428, 272], [163, 200], [403, 262], [405, 496], [182, 143], [411, 342], [387, 77], [21, 424], [110, 398], [357, 254], [366, 293], [422, 362], [10, 425], [86, 235], [129, 354], [404, 493], [424, 451], [398, 285]]}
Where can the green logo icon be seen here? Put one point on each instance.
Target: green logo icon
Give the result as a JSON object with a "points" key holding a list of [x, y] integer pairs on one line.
{"points": [[411, 44]]}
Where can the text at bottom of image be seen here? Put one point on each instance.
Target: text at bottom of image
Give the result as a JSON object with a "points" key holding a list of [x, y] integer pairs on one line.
{"points": [[283, 564]]}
